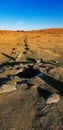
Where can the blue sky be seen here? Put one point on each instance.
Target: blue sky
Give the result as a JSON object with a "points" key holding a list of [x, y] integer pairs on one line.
{"points": [[31, 14]]}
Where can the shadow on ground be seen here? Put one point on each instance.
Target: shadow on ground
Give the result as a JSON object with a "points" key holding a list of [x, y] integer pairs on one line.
{"points": [[58, 85]]}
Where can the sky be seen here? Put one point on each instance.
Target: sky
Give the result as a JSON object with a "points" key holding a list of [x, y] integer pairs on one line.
{"points": [[31, 14]]}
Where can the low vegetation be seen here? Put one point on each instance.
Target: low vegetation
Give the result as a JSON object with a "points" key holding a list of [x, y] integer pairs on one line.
{"points": [[31, 80]]}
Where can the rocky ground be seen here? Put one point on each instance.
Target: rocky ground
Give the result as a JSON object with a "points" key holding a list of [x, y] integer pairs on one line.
{"points": [[27, 100]]}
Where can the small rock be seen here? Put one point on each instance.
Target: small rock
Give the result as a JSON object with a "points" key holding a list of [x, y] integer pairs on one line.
{"points": [[7, 88], [19, 56], [39, 61], [54, 98], [57, 62], [20, 70]]}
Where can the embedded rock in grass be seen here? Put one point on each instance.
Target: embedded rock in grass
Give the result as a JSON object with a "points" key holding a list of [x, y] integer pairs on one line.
{"points": [[54, 98], [7, 88]]}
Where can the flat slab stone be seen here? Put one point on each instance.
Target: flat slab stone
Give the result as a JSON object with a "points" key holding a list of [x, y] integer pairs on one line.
{"points": [[7, 88], [54, 98]]}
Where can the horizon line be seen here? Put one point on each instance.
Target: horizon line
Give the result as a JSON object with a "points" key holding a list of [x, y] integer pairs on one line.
{"points": [[30, 29]]}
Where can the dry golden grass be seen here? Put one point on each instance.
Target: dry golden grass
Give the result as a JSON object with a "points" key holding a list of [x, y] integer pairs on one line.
{"points": [[46, 44]]}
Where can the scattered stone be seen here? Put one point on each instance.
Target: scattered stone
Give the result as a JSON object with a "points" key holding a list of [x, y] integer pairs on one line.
{"points": [[19, 56], [54, 98], [7, 88], [57, 62], [17, 67], [39, 61], [21, 65], [20, 70]]}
